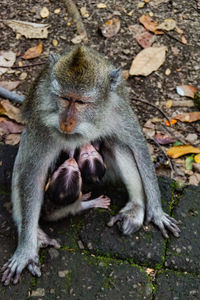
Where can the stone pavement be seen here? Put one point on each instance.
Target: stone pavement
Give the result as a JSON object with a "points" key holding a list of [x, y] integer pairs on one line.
{"points": [[97, 262]]}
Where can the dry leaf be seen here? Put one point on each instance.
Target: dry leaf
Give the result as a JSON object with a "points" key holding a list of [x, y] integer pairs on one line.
{"points": [[9, 85], [148, 60], [169, 103], [183, 40], [186, 90], [28, 29], [79, 38], [7, 59], [172, 122], [6, 108], [33, 52], [44, 13], [149, 24], [7, 127], [168, 24], [142, 36], [179, 30], [178, 151], [194, 179], [101, 5], [84, 12], [188, 117], [197, 158], [110, 28], [12, 139], [163, 139]]}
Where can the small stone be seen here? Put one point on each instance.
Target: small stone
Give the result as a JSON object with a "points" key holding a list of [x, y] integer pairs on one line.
{"points": [[63, 273], [141, 4], [44, 13], [57, 11], [40, 292], [101, 5], [80, 244], [55, 43], [167, 72], [84, 12], [90, 246], [151, 14], [178, 250], [23, 76]]}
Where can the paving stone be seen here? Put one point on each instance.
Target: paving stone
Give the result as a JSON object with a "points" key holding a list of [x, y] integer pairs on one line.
{"points": [[177, 286], [78, 276], [144, 247], [184, 253]]}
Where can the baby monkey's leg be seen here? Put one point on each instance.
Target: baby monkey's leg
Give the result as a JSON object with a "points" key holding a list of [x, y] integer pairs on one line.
{"points": [[101, 202]]}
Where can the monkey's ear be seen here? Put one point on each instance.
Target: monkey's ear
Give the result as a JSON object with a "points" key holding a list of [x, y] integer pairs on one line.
{"points": [[115, 78], [53, 58]]}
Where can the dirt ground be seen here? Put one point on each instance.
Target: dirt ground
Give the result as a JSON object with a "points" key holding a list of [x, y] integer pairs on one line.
{"points": [[182, 59]]}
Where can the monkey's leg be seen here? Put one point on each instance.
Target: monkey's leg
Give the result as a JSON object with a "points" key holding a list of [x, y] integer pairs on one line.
{"points": [[101, 202], [27, 195], [131, 217]]}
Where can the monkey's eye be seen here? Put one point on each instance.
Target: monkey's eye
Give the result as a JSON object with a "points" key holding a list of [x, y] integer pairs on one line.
{"points": [[84, 155], [80, 102]]}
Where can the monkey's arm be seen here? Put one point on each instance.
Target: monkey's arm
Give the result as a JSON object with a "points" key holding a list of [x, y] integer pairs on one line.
{"points": [[131, 135], [28, 181]]}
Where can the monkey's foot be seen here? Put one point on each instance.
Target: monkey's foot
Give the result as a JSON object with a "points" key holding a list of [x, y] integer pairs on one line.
{"points": [[44, 240], [162, 221], [13, 268], [128, 221]]}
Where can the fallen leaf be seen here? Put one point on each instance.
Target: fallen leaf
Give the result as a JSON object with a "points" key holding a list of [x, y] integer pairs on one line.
{"points": [[57, 11], [149, 132], [168, 25], [23, 76], [101, 5], [78, 38], [11, 111], [110, 28], [183, 39], [149, 270], [84, 12], [172, 122], [197, 158], [44, 13], [179, 30], [188, 117], [55, 43], [33, 52], [141, 4], [169, 103], [7, 59], [186, 90], [12, 139], [163, 139], [148, 60], [142, 36], [188, 162], [149, 24], [178, 151], [7, 127], [28, 29], [9, 85]]}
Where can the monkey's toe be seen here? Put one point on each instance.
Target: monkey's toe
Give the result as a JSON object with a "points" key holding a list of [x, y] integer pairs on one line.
{"points": [[44, 240]]}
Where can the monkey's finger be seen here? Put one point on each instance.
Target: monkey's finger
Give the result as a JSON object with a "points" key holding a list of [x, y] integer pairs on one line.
{"points": [[6, 265], [54, 244], [163, 230], [17, 275], [34, 270], [114, 219], [173, 228], [172, 219]]}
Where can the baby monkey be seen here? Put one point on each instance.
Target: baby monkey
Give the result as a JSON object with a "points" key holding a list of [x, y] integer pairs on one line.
{"points": [[91, 164], [64, 189]]}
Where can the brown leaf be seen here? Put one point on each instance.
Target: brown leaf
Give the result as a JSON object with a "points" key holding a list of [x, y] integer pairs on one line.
{"points": [[145, 40], [188, 117], [186, 90], [178, 151], [33, 52], [7, 127], [7, 59], [168, 24], [6, 108], [163, 139], [12, 139], [148, 60], [9, 85], [149, 24], [110, 28]]}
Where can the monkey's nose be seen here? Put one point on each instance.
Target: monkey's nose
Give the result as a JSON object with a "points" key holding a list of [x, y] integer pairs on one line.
{"points": [[68, 126]]}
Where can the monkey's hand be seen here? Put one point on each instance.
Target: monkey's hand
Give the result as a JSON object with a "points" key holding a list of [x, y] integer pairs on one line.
{"points": [[129, 220], [162, 220], [13, 268]]}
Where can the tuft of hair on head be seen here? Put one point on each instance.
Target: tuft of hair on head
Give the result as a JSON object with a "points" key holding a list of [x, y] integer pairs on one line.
{"points": [[92, 172], [66, 188]]}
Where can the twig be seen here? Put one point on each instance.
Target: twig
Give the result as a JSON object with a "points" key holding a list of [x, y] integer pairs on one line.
{"points": [[153, 105], [4, 93], [74, 13], [174, 38], [25, 66]]}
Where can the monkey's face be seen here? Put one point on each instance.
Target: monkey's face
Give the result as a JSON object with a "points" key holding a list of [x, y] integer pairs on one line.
{"points": [[91, 164]]}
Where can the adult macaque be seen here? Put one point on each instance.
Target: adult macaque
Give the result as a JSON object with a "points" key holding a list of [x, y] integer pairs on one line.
{"points": [[91, 164], [65, 191], [79, 98]]}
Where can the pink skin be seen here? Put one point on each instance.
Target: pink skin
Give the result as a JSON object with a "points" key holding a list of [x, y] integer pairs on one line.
{"points": [[88, 152]]}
